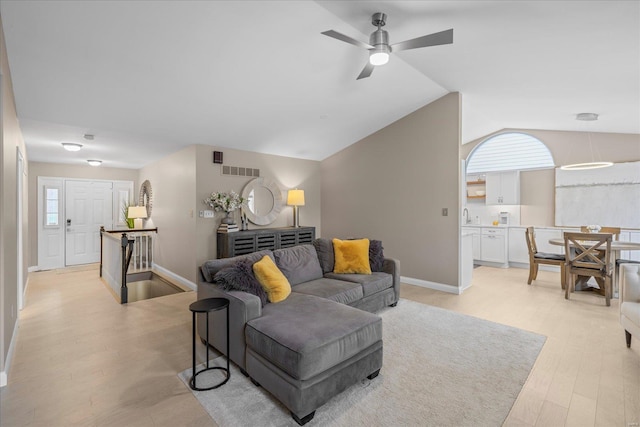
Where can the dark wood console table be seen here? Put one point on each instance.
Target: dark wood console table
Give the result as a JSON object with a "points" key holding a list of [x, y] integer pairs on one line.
{"points": [[245, 242]]}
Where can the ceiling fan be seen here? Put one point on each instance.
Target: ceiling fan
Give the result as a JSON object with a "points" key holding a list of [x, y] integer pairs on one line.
{"points": [[379, 47]]}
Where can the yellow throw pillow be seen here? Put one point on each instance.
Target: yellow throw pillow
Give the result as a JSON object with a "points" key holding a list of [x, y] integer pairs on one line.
{"points": [[274, 283], [351, 256]]}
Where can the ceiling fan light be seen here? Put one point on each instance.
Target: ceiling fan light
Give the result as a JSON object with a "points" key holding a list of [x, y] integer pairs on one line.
{"points": [[378, 58]]}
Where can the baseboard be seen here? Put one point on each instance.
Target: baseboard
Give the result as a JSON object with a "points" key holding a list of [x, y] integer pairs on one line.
{"points": [[432, 285], [33, 268], [4, 376], [173, 276]]}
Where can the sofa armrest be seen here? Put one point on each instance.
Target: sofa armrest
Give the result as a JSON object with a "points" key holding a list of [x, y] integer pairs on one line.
{"points": [[630, 283], [243, 307], [392, 266]]}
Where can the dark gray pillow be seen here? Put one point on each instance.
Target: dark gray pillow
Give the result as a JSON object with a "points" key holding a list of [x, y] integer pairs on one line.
{"points": [[324, 249], [239, 277], [376, 255], [299, 264], [211, 267]]}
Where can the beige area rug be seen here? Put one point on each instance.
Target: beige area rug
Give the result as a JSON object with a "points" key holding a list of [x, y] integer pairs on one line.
{"points": [[440, 369]]}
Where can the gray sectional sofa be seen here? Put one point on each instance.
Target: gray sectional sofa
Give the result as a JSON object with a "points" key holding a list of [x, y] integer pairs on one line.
{"points": [[320, 340]]}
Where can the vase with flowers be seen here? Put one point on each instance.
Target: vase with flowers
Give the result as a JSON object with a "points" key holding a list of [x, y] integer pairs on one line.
{"points": [[225, 202]]}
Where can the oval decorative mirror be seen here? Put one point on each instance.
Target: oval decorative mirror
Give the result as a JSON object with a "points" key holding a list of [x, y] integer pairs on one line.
{"points": [[146, 197], [263, 201]]}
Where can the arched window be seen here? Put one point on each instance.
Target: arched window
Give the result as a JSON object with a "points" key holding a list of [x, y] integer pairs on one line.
{"points": [[509, 151]]}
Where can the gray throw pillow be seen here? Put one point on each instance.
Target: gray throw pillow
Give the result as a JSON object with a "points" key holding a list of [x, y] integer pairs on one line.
{"points": [[376, 255], [239, 277], [299, 264], [324, 249]]}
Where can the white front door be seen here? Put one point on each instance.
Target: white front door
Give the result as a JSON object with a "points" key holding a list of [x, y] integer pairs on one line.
{"points": [[88, 206]]}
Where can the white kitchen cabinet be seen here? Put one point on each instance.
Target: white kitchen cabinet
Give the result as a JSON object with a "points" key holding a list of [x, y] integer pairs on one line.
{"points": [[476, 241], [518, 251], [503, 188], [494, 245]]}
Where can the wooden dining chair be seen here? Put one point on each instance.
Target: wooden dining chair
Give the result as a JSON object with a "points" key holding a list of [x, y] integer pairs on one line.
{"points": [[612, 230], [536, 258], [588, 254]]}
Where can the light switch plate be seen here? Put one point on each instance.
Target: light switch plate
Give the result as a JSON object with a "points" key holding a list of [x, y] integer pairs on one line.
{"points": [[445, 211]]}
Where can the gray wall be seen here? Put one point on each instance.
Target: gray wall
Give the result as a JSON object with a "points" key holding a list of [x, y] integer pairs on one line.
{"points": [[392, 186], [10, 141], [55, 170], [537, 188]]}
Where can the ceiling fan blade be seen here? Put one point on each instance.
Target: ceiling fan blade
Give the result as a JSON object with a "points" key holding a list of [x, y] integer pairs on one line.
{"points": [[347, 39], [366, 71], [435, 39]]}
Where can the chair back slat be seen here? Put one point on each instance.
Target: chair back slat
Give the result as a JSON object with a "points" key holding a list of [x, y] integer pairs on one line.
{"points": [[531, 241]]}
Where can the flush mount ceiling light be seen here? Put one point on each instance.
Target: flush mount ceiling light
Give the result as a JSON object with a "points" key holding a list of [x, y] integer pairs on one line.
{"points": [[587, 117], [94, 162], [71, 146], [88, 136]]}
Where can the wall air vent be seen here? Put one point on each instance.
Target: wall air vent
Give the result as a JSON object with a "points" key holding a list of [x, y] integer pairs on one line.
{"points": [[240, 171]]}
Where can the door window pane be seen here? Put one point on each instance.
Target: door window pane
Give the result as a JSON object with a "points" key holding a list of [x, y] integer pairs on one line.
{"points": [[52, 213]]}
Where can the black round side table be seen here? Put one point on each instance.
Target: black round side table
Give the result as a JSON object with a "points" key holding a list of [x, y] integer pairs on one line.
{"points": [[206, 306]]}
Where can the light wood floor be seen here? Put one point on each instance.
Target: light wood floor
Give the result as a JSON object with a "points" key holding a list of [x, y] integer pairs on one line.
{"points": [[83, 359]]}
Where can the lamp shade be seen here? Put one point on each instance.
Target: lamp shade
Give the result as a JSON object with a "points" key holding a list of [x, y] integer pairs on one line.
{"points": [[295, 197], [137, 212]]}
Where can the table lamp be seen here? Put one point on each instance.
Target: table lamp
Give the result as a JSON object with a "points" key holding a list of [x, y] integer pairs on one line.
{"points": [[295, 198], [137, 213]]}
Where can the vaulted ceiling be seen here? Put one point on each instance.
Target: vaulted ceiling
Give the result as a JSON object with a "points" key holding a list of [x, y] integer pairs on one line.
{"points": [[150, 77]]}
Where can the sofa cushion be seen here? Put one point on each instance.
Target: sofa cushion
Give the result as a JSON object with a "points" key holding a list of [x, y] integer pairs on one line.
{"points": [[275, 283], [351, 256], [306, 335], [298, 263], [631, 310], [335, 290], [371, 283], [324, 249], [239, 277], [211, 267]]}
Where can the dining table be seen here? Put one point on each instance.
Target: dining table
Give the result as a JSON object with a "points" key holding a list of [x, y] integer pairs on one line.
{"points": [[616, 247]]}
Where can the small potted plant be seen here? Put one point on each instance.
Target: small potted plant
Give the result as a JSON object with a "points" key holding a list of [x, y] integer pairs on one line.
{"points": [[125, 214]]}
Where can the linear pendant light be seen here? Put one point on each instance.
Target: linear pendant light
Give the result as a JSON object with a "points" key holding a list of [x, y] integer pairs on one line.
{"points": [[589, 117]]}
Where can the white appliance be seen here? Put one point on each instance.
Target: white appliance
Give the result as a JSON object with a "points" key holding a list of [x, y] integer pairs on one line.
{"points": [[503, 218]]}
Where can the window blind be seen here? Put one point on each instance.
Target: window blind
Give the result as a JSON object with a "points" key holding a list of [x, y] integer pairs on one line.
{"points": [[509, 151]]}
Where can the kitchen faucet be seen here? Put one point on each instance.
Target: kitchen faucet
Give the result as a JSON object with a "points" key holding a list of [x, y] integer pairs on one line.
{"points": [[465, 215]]}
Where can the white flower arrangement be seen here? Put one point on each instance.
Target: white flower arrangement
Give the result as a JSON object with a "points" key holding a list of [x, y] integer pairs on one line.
{"points": [[224, 202]]}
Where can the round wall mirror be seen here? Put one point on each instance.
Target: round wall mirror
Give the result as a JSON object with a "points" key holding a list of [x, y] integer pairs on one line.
{"points": [[263, 201], [146, 198]]}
